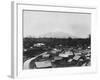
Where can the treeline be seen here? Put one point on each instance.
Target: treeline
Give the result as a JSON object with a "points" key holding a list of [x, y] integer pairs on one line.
{"points": [[27, 42], [51, 43]]}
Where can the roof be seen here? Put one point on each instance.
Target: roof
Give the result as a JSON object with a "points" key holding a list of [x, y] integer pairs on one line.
{"points": [[57, 58], [43, 64], [76, 57], [66, 54]]}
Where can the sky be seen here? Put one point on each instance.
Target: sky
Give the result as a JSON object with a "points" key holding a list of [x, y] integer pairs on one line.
{"points": [[37, 23]]}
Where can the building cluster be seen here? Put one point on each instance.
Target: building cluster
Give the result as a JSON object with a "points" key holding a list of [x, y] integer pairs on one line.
{"points": [[62, 57]]}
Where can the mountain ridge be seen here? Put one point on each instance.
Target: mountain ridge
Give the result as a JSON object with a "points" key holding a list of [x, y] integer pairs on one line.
{"points": [[57, 35]]}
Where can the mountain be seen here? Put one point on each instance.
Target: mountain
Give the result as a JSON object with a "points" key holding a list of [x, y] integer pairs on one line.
{"points": [[57, 35]]}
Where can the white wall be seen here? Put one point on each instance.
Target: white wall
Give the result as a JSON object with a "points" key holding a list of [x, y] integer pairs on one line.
{"points": [[5, 41]]}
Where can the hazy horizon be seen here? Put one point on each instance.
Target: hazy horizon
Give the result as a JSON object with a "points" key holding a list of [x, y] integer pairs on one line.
{"points": [[40, 23]]}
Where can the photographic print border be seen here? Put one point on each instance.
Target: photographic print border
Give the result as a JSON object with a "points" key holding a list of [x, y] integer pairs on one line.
{"points": [[17, 40]]}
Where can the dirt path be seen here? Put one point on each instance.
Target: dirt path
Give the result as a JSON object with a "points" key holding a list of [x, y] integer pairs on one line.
{"points": [[27, 63]]}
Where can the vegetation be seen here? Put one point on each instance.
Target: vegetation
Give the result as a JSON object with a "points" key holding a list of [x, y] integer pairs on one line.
{"points": [[50, 43]]}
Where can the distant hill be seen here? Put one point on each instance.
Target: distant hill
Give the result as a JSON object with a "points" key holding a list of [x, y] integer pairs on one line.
{"points": [[57, 35]]}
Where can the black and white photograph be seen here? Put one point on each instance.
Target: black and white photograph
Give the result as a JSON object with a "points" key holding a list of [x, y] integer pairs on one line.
{"points": [[54, 39]]}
